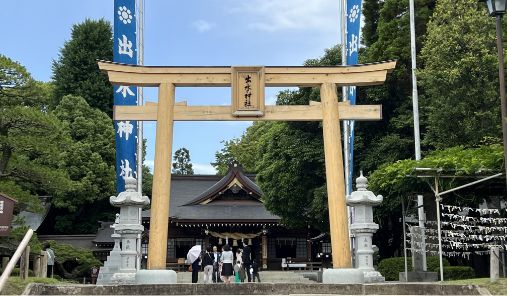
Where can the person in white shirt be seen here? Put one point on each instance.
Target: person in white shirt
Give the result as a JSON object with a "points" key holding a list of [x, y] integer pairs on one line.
{"points": [[227, 259]]}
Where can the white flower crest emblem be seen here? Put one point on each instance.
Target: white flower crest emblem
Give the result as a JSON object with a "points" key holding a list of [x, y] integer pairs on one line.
{"points": [[354, 13], [125, 15]]}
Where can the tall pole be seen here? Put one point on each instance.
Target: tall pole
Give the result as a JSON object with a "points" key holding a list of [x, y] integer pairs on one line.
{"points": [[501, 76], [345, 94], [417, 133], [346, 130], [343, 26], [415, 97], [140, 98], [439, 230], [140, 102]]}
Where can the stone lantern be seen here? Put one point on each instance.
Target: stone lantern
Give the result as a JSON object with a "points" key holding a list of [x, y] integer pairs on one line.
{"points": [[363, 227], [129, 227]]}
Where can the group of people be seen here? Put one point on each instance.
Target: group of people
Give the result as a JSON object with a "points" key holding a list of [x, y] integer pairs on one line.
{"points": [[222, 266]]}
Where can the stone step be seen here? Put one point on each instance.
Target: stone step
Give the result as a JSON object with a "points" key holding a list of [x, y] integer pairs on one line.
{"points": [[266, 277], [258, 289]]}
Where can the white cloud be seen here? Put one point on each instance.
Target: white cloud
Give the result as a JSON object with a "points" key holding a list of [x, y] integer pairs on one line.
{"points": [[203, 169], [203, 26], [278, 15], [199, 168]]}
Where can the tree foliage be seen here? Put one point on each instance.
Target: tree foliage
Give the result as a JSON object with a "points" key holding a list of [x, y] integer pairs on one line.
{"points": [[460, 77], [89, 160], [72, 262], [244, 150], [66, 153], [291, 174], [76, 71], [181, 162], [31, 140], [386, 34]]}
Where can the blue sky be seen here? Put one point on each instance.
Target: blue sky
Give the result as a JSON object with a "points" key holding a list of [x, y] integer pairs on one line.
{"points": [[185, 33]]}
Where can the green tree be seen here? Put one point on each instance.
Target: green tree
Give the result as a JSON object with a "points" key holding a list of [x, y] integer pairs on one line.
{"points": [[89, 161], [181, 162], [244, 150], [386, 33], [72, 262], [90, 158], [371, 13], [460, 78], [76, 71], [225, 157], [147, 181], [31, 140], [291, 174]]}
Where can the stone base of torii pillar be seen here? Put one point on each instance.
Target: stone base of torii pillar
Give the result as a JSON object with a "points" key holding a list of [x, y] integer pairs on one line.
{"points": [[363, 228]]}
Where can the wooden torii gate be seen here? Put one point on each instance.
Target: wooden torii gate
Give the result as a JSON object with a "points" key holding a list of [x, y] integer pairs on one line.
{"points": [[247, 84]]}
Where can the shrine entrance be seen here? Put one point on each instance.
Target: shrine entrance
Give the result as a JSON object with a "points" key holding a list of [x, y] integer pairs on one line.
{"points": [[247, 104]]}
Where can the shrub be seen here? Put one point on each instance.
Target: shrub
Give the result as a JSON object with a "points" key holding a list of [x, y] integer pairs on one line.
{"points": [[433, 263], [390, 268], [458, 272], [15, 272], [74, 262]]}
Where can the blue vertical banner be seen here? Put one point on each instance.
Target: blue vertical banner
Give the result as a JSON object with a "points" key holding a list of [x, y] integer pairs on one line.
{"points": [[125, 51], [354, 10]]}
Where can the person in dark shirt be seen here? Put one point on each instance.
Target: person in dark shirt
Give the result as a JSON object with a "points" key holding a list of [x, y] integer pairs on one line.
{"points": [[255, 271], [216, 264], [207, 262], [195, 270], [247, 258]]}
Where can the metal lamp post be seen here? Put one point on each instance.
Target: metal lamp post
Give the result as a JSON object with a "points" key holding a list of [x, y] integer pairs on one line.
{"points": [[497, 9]]}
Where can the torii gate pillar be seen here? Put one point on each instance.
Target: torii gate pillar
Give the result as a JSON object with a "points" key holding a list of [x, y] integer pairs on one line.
{"points": [[157, 248], [335, 177]]}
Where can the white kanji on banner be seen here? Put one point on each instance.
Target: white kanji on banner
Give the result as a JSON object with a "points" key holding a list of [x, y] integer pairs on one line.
{"points": [[126, 171], [353, 44], [125, 127], [125, 90], [125, 46]]}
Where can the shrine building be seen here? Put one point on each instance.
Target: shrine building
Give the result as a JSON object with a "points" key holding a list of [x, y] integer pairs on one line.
{"points": [[213, 210]]}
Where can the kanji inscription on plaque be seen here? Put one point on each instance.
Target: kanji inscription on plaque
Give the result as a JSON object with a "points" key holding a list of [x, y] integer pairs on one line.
{"points": [[247, 91]]}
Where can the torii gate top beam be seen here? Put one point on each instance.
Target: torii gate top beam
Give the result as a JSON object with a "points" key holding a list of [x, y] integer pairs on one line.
{"points": [[358, 75]]}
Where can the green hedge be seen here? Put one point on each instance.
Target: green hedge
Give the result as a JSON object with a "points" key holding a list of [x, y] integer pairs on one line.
{"points": [[458, 272], [15, 272], [390, 268]]}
